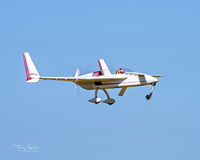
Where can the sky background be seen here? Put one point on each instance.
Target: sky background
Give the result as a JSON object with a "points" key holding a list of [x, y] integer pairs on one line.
{"points": [[156, 37]]}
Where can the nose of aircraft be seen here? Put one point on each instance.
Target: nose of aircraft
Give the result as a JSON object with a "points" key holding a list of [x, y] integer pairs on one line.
{"points": [[151, 79], [154, 79]]}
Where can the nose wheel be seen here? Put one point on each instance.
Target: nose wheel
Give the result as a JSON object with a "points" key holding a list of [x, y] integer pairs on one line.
{"points": [[148, 97]]}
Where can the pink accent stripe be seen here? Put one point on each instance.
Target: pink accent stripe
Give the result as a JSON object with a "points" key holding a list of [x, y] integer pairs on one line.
{"points": [[100, 67], [26, 68]]}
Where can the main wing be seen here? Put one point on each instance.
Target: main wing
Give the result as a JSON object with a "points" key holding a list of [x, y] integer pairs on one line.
{"points": [[72, 79], [82, 79]]}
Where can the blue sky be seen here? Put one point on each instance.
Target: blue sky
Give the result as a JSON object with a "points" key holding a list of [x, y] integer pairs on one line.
{"points": [[159, 37]]}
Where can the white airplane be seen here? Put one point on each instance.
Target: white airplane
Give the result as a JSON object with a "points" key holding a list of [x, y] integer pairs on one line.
{"points": [[102, 79]]}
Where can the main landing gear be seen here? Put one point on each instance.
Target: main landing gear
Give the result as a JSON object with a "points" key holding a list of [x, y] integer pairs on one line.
{"points": [[148, 97], [109, 100], [97, 100]]}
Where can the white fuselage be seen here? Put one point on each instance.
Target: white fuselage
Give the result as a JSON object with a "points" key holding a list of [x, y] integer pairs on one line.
{"points": [[130, 80]]}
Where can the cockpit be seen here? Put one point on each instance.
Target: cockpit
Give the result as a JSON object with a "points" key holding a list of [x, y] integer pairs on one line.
{"points": [[97, 74]]}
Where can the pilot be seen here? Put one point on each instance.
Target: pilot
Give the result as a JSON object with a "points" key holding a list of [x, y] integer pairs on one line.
{"points": [[119, 71]]}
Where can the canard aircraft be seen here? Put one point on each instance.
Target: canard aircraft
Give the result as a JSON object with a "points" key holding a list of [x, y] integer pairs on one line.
{"points": [[99, 80]]}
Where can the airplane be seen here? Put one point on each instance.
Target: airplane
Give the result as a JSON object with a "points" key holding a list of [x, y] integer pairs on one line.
{"points": [[98, 80]]}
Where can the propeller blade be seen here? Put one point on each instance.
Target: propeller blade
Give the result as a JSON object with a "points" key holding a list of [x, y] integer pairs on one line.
{"points": [[78, 71], [76, 85]]}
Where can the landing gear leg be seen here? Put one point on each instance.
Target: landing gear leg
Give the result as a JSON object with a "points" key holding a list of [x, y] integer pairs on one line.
{"points": [[96, 99], [96, 91], [109, 100], [148, 97]]}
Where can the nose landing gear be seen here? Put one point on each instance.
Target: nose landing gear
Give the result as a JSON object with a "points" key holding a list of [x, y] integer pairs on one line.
{"points": [[148, 97]]}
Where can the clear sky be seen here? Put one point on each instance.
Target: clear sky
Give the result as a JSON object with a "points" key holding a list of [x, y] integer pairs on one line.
{"points": [[158, 37]]}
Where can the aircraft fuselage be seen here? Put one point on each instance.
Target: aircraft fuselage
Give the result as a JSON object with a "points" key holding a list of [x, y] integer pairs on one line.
{"points": [[129, 81]]}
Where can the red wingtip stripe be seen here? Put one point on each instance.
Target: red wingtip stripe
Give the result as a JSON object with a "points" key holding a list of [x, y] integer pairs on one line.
{"points": [[26, 68]]}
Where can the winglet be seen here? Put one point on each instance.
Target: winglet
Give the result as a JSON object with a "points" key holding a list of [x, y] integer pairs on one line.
{"points": [[31, 71], [103, 67]]}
